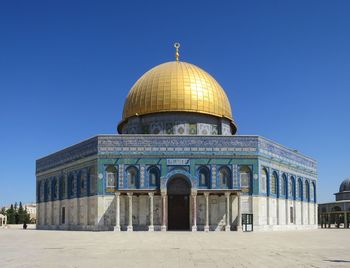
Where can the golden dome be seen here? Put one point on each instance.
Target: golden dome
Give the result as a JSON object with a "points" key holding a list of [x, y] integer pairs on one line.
{"points": [[177, 87]]}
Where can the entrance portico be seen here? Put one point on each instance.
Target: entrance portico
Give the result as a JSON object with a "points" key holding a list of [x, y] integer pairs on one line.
{"points": [[178, 208]]}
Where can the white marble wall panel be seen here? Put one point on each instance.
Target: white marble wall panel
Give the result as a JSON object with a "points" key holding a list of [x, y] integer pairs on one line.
{"points": [[272, 211], [123, 210], [298, 212], [217, 214], [201, 210], [282, 211], [98, 213], [157, 210]]}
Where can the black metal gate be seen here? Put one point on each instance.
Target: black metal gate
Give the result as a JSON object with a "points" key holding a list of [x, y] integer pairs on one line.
{"points": [[247, 222]]}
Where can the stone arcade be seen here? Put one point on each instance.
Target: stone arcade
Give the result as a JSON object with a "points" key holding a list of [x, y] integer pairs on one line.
{"points": [[176, 164]]}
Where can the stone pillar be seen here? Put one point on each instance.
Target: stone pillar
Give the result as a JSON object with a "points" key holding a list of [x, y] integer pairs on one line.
{"points": [[287, 210], [239, 217], [45, 213], [228, 226], [87, 210], [329, 220], [194, 214], [130, 228], [68, 211], [77, 203], [52, 217], [278, 210], [294, 212], [151, 226], [302, 211], [268, 210], [59, 213], [206, 227], [164, 219], [117, 212], [345, 220]]}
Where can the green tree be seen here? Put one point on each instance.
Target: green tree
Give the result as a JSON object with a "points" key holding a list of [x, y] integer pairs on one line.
{"points": [[21, 214], [27, 217], [11, 215]]}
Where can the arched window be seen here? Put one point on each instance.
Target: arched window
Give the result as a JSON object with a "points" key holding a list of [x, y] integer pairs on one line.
{"points": [[42, 191], [154, 176], [273, 183], [224, 177], [245, 177], [54, 189], [284, 185], [93, 180], [291, 187], [263, 181], [313, 191], [132, 176], [46, 190], [62, 187], [307, 191], [111, 176], [336, 208], [300, 189], [38, 191], [82, 183], [71, 185], [203, 176]]}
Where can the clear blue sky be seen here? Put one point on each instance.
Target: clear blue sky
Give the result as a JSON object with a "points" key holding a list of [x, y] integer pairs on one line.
{"points": [[66, 67]]}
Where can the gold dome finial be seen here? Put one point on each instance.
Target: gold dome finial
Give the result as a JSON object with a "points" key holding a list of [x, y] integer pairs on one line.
{"points": [[177, 46]]}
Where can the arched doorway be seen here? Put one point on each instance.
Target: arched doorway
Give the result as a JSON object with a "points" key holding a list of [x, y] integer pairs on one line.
{"points": [[179, 190]]}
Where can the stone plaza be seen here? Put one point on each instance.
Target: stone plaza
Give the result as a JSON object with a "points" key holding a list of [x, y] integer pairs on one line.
{"points": [[303, 248]]}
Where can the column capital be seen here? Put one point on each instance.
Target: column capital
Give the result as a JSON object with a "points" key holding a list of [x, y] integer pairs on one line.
{"points": [[193, 192], [227, 194], [163, 193], [130, 194], [117, 193], [206, 194], [151, 194]]}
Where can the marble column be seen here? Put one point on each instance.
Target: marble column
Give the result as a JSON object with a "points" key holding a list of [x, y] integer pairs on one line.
{"points": [[194, 214], [164, 219], [117, 212], [151, 226], [239, 217], [206, 227], [228, 226], [130, 228]]}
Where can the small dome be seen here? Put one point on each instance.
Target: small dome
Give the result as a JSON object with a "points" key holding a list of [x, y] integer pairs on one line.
{"points": [[177, 87], [345, 185]]}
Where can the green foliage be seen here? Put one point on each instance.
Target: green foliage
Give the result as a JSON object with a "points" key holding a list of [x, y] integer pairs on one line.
{"points": [[11, 215], [17, 214]]}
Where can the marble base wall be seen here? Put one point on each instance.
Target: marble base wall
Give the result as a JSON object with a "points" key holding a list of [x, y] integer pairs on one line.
{"points": [[98, 213]]}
